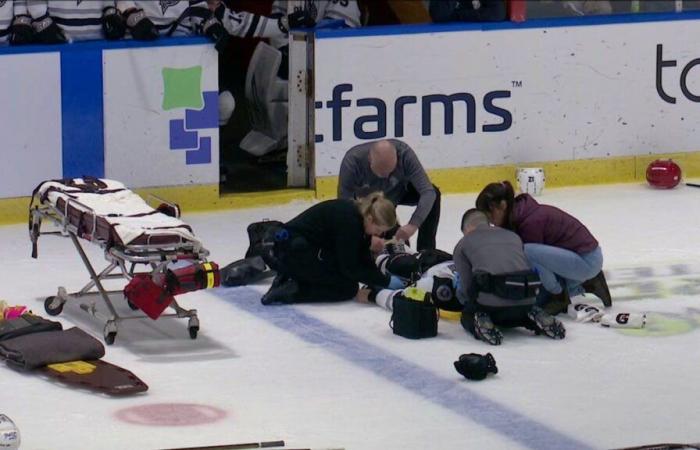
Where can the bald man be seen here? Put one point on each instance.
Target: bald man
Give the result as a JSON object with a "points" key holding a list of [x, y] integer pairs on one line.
{"points": [[391, 166]]}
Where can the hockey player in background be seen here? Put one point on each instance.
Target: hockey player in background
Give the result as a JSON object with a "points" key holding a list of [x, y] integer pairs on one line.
{"points": [[346, 10], [149, 19], [564, 252], [58, 21], [15, 23]]}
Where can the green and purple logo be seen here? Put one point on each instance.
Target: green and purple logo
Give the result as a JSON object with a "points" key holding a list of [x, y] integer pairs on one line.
{"points": [[183, 90]]}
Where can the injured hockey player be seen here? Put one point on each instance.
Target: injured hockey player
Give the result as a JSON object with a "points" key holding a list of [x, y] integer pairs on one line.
{"points": [[489, 281]]}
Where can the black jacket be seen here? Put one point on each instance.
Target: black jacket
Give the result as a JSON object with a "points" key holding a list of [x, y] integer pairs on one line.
{"points": [[336, 228]]}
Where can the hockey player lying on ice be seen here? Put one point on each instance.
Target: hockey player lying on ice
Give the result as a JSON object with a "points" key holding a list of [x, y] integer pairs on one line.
{"points": [[489, 280]]}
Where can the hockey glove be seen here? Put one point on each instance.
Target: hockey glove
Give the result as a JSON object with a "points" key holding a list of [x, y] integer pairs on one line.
{"points": [[47, 32], [215, 31], [141, 26], [475, 367], [21, 31], [113, 24], [297, 19]]}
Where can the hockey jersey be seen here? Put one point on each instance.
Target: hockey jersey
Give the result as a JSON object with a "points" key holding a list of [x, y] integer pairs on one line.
{"points": [[346, 10], [80, 20], [8, 10], [171, 17], [248, 25], [439, 280]]}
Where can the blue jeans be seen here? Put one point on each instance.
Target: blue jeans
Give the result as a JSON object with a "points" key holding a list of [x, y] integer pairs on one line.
{"points": [[555, 263]]}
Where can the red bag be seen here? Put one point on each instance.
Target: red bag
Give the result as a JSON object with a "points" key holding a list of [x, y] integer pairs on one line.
{"points": [[192, 277], [150, 298]]}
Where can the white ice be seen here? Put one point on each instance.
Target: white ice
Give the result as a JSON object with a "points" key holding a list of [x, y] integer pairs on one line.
{"points": [[334, 375]]}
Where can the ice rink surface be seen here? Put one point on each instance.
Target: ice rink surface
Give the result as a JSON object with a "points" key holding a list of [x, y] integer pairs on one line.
{"points": [[334, 375]]}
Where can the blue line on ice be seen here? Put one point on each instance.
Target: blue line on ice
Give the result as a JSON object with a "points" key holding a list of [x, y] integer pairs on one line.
{"points": [[448, 393]]}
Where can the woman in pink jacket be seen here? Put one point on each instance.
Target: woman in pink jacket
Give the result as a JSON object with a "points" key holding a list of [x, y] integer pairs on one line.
{"points": [[562, 250]]}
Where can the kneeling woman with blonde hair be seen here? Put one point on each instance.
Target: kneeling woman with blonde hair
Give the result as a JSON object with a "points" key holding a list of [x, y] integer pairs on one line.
{"points": [[324, 253]]}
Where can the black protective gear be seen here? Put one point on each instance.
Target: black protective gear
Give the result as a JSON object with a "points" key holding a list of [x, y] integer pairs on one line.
{"points": [[47, 32], [141, 27], [474, 366], [21, 31], [297, 19], [215, 31], [113, 24]]}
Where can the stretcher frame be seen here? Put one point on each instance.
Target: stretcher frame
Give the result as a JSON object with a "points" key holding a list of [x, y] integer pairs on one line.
{"points": [[118, 256]]}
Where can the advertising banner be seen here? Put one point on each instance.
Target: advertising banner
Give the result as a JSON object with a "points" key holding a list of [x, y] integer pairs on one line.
{"points": [[511, 95], [30, 120], [161, 115]]}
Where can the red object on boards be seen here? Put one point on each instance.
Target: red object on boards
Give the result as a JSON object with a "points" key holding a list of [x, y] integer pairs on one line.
{"points": [[663, 174]]}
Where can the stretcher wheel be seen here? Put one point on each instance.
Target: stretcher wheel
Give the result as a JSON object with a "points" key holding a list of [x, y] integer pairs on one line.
{"points": [[109, 337], [193, 332], [51, 309]]}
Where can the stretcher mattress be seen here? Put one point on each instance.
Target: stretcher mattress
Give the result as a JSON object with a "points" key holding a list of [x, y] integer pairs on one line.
{"points": [[105, 210]]}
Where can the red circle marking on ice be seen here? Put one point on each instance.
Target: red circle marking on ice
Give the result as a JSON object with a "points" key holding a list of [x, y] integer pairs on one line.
{"points": [[171, 414]]}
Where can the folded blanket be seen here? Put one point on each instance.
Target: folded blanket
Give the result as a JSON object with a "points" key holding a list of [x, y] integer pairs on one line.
{"points": [[26, 324], [39, 349]]}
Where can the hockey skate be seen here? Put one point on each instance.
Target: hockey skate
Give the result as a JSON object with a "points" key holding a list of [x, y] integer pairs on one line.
{"points": [[546, 323], [599, 287], [485, 330]]}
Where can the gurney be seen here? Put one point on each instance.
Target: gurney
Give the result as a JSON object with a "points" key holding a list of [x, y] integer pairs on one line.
{"points": [[132, 234]]}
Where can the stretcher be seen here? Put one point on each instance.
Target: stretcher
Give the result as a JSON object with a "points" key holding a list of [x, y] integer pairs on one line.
{"points": [[131, 233]]}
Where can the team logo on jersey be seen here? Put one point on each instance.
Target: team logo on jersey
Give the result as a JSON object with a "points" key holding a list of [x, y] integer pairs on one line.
{"points": [[165, 4]]}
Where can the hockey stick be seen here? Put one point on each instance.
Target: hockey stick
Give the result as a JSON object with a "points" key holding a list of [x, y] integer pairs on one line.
{"points": [[664, 446], [266, 444], [693, 185]]}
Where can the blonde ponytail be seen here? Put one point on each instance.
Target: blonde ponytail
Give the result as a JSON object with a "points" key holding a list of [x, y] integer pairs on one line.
{"points": [[381, 210]]}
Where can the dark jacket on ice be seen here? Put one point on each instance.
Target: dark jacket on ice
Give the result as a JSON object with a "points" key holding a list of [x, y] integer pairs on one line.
{"points": [[545, 224]]}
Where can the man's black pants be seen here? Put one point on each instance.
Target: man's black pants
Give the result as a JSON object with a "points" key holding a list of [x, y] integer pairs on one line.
{"points": [[315, 270]]}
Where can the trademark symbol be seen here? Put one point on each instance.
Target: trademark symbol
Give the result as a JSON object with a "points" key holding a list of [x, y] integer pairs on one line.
{"points": [[517, 84]]}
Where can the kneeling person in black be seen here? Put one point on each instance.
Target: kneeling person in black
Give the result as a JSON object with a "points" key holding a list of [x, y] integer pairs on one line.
{"points": [[496, 284], [324, 253]]}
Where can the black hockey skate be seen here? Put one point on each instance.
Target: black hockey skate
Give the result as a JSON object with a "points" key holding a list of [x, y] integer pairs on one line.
{"points": [[485, 330], [546, 323]]}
